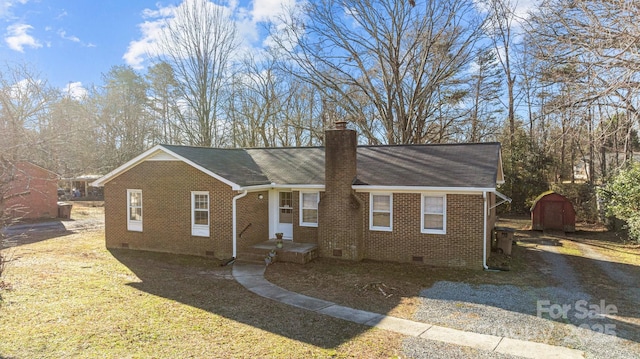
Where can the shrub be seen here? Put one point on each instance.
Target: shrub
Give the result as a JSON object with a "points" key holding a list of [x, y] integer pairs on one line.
{"points": [[622, 198]]}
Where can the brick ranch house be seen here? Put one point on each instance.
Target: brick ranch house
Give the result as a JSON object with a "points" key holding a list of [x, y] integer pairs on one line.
{"points": [[30, 192], [432, 204]]}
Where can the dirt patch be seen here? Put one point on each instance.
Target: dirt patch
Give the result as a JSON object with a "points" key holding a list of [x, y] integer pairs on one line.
{"points": [[391, 288]]}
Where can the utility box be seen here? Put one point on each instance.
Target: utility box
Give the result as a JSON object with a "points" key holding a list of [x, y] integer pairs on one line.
{"points": [[504, 239], [64, 210]]}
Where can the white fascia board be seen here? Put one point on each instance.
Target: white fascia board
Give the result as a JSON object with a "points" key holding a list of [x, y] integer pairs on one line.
{"points": [[293, 187], [142, 157], [416, 189], [500, 174], [307, 187], [109, 176]]}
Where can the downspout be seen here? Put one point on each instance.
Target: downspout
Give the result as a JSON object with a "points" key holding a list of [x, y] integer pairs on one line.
{"points": [[233, 220], [484, 236], [484, 242]]}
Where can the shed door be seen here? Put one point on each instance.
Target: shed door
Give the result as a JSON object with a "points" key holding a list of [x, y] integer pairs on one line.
{"points": [[553, 214]]}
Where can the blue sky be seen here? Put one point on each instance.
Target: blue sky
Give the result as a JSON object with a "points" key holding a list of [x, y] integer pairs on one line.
{"points": [[75, 42], [71, 43]]}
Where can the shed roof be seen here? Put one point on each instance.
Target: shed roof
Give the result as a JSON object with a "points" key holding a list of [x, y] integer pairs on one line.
{"points": [[543, 195]]}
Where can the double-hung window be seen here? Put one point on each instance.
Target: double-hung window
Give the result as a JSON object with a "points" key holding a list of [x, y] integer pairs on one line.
{"points": [[134, 210], [309, 209], [200, 214], [381, 212], [434, 214]]}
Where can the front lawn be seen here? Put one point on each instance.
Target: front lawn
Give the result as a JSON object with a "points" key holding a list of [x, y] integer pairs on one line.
{"points": [[70, 297], [67, 296]]}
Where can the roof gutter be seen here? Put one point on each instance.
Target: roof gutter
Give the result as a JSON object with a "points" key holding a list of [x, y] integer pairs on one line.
{"points": [[414, 189], [263, 187], [234, 220]]}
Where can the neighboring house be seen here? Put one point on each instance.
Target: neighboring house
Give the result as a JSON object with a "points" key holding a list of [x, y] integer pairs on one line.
{"points": [[31, 192], [80, 186], [432, 204], [614, 161]]}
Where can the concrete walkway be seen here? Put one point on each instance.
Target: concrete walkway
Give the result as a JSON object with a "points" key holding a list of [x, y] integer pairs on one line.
{"points": [[251, 276]]}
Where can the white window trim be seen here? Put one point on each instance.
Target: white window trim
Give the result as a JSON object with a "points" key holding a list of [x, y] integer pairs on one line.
{"points": [[134, 225], [308, 224], [444, 214], [200, 230], [378, 228]]}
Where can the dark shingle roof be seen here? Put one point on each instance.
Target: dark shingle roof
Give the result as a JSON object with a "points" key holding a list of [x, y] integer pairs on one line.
{"points": [[454, 165], [294, 165], [234, 164]]}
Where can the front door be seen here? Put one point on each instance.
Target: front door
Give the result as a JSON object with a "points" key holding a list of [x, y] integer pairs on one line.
{"points": [[285, 214]]}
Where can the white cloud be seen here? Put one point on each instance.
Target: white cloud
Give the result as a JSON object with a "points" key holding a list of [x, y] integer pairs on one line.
{"points": [[249, 21], [75, 90], [270, 10], [62, 15], [523, 7], [63, 34], [139, 49], [5, 7], [17, 37]]}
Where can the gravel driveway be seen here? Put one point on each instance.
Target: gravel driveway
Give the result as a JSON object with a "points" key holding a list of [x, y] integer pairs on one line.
{"points": [[513, 311]]}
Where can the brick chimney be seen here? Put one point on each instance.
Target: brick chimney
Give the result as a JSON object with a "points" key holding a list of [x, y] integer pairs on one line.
{"points": [[340, 227]]}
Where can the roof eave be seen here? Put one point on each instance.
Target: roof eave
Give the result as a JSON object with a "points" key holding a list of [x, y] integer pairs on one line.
{"points": [[142, 157], [263, 187], [397, 189]]}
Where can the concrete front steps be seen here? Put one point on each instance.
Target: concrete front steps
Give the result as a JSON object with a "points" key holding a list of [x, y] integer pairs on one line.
{"points": [[294, 252]]}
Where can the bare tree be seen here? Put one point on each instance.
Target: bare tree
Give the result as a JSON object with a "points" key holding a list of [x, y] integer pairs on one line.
{"points": [[164, 103], [390, 66], [501, 29], [24, 106], [593, 44], [199, 43], [256, 107], [485, 92], [125, 128], [24, 103]]}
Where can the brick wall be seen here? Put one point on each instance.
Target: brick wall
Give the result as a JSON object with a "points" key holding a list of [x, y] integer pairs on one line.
{"points": [[340, 211], [31, 193], [166, 195], [460, 246], [255, 211], [301, 233]]}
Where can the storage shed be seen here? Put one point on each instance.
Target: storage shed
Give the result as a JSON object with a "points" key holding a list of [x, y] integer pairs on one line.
{"points": [[553, 211]]}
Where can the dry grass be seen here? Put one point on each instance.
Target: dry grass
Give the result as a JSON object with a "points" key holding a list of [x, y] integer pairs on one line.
{"points": [[70, 297], [87, 209]]}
